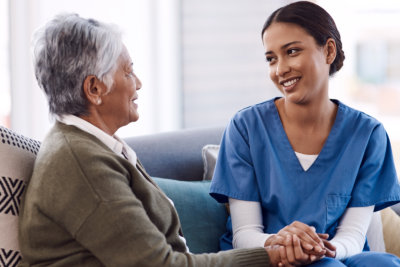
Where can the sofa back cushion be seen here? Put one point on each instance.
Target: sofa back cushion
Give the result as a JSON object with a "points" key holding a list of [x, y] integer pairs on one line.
{"points": [[203, 219], [17, 155], [176, 154]]}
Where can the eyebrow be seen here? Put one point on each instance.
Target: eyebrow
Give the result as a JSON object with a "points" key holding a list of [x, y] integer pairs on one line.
{"points": [[284, 46]]}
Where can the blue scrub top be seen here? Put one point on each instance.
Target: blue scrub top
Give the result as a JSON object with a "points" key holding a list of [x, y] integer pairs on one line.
{"points": [[256, 162]]}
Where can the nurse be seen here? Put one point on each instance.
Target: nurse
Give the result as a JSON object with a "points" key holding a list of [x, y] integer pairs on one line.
{"points": [[304, 165]]}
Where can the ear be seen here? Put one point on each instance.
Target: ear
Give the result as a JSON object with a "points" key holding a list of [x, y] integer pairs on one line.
{"points": [[93, 89], [330, 50]]}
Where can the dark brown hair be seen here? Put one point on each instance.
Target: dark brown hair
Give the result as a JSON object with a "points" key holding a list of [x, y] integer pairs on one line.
{"points": [[316, 21]]}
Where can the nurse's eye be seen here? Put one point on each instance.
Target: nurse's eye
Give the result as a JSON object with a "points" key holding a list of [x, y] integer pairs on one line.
{"points": [[270, 60], [293, 51]]}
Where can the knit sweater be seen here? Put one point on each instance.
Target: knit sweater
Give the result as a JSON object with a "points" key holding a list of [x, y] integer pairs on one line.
{"points": [[86, 206]]}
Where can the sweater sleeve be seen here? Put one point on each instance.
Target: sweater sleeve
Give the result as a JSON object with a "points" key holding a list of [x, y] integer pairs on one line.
{"points": [[121, 234], [123, 231]]}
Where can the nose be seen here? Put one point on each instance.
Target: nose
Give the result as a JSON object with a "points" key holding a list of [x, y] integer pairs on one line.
{"points": [[138, 83], [282, 67]]}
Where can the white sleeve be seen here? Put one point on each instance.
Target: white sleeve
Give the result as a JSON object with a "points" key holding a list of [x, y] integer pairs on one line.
{"points": [[247, 226], [350, 235]]}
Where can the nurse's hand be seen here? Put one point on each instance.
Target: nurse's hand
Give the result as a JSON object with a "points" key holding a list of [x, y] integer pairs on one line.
{"points": [[330, 249], [310, 241]]}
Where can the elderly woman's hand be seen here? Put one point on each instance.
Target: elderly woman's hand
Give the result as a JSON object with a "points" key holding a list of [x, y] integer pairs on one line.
{"points": [[275, 256], [312, 245]]}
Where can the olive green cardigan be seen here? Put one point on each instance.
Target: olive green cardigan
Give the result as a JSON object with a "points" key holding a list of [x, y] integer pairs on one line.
{"points": [[87, 206]]}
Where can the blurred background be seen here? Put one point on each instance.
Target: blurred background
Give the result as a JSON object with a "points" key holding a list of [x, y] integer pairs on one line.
{"points": [[202, 61]]}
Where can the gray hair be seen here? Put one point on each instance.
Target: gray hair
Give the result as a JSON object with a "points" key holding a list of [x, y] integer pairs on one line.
{"points": [[67, 50]]}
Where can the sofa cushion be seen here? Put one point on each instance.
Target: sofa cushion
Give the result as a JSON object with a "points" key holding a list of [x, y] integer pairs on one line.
{"points": [[202, 218], [17, 155]]}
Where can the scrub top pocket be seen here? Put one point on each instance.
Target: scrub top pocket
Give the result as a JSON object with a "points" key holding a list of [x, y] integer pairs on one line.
{"points": [[335, 207]]}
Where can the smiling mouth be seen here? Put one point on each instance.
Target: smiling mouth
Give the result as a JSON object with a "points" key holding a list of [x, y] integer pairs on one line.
{"points": [[290, 83]]}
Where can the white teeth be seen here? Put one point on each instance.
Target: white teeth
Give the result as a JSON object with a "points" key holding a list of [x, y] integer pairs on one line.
{"points": [[289, 83]]}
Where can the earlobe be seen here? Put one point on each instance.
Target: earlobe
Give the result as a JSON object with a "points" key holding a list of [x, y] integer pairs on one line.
{"points": [[331, 51], [93, 89]]}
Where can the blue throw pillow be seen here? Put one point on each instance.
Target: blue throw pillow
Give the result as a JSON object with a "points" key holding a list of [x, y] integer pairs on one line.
{"points": [[203, 219]]}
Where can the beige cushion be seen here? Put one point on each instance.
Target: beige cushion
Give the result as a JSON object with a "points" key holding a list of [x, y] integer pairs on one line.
{"points": [[391, 231], [17, 155]]}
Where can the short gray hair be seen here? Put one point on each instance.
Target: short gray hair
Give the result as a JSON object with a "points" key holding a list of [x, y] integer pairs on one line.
{"points": [[67, 50]]}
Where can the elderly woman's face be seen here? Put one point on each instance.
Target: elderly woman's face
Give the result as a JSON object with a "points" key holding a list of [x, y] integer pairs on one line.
{"points": [[119, 103]]}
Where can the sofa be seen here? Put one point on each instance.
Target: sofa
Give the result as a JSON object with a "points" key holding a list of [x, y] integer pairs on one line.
{"points": [[181, 162]]}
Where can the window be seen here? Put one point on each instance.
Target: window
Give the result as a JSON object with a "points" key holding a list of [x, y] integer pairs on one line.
{"points": [[5, 99], [370, 78]]}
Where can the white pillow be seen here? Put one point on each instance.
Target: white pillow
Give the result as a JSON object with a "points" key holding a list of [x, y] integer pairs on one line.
{"points": [[17, 155], [209, 154]]}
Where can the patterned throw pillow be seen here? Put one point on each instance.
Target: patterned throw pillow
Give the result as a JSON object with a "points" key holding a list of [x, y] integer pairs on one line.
{"points": [[17, 155]]}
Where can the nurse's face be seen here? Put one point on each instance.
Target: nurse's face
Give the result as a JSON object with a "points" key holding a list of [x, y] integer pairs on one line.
{"points": [[298, 66]]}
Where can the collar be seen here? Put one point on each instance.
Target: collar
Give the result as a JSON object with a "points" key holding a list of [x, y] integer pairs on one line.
{"points": [[116, 144]]}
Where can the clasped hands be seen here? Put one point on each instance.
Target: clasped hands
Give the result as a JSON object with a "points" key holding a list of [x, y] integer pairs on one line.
{"points": [[298, 244]]}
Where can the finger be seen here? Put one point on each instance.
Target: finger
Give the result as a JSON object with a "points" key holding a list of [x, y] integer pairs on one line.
{"points": [[315, 250], [307, 242], [323, 236], [298, 252], [289, 250], [307, 234], [282, 254], [278, 240], [329, 245], [330, 249]]}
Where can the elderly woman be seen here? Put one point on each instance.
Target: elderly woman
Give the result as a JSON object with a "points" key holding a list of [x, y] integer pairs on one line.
{"points": [[89, 201]]}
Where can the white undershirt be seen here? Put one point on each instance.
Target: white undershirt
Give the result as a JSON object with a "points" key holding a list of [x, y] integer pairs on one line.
{"points": [[248, 229]]}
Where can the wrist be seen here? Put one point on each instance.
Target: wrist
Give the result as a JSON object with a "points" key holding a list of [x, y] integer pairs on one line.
{"points": [[273, 254], [269, 240]]}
